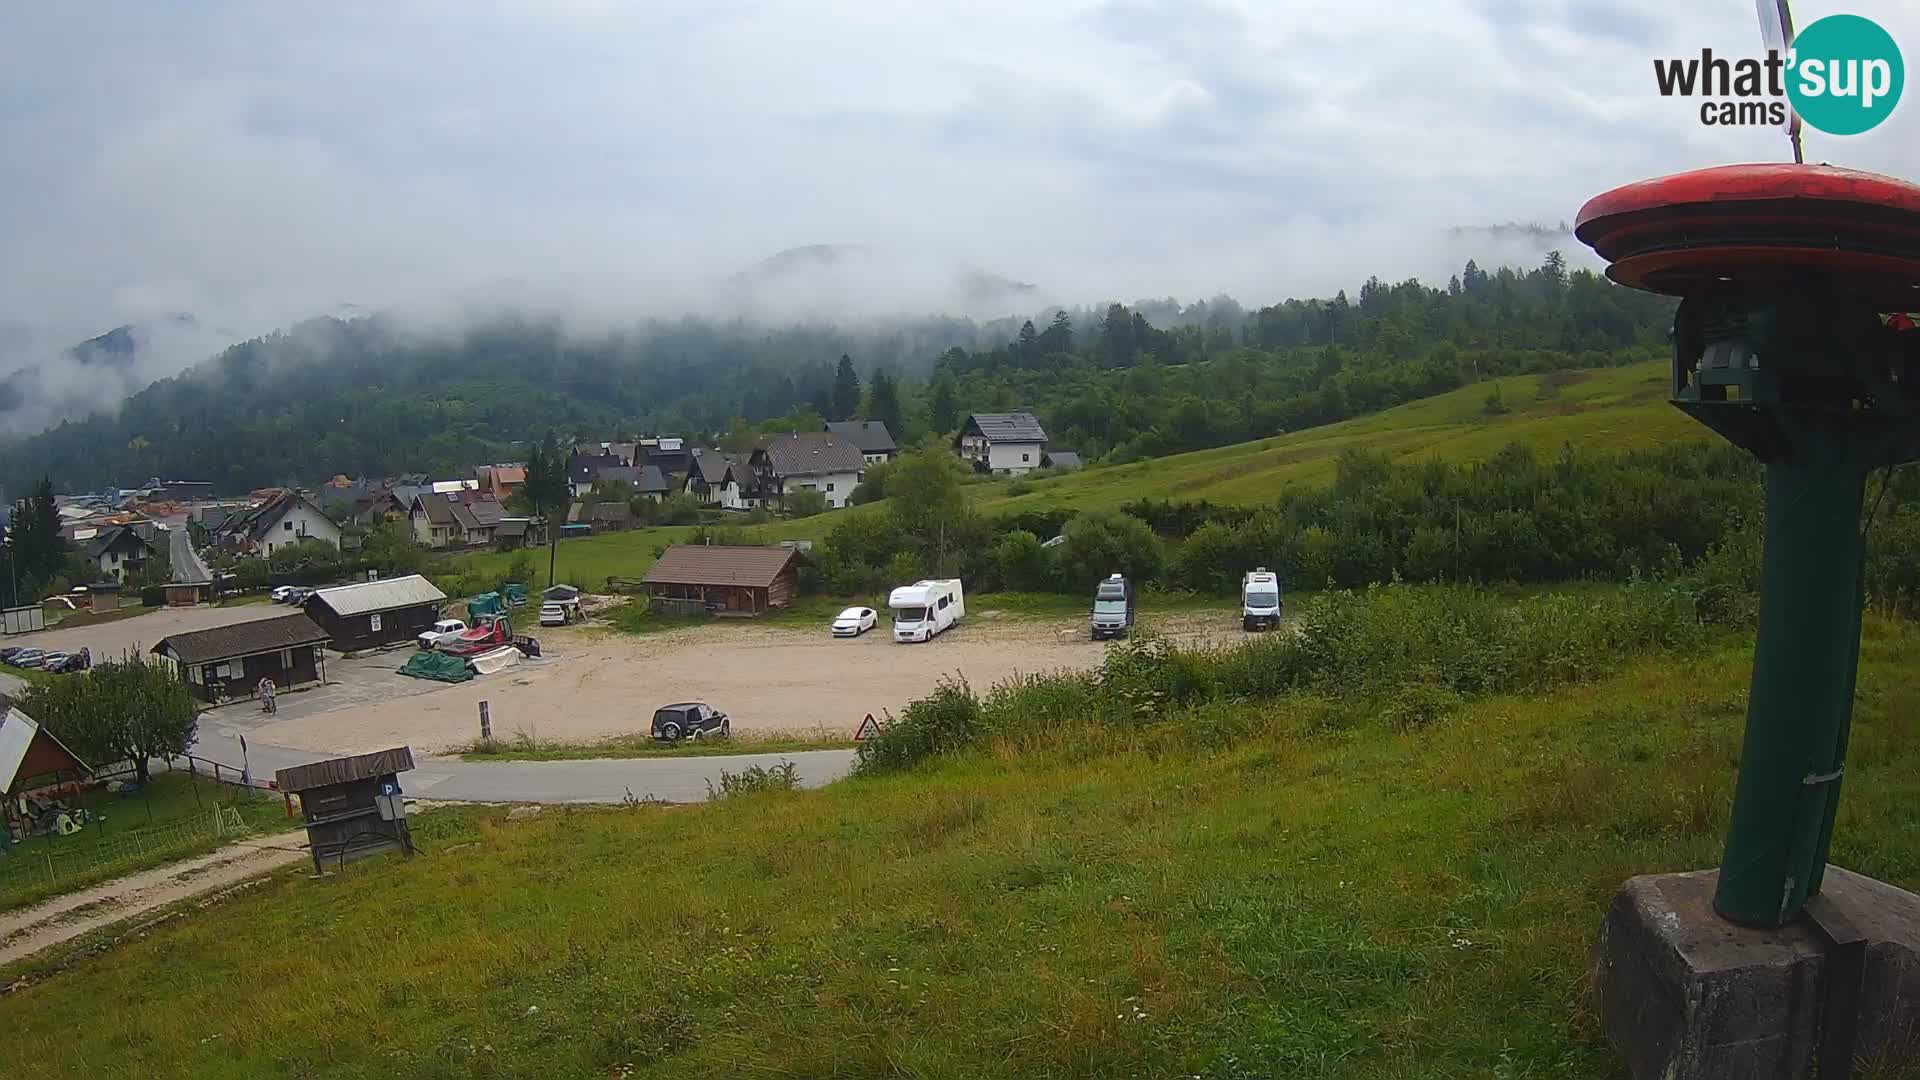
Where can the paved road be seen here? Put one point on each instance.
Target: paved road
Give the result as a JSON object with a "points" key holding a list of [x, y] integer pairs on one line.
{"points": [[138, 633], [606, 780], [187, 566]]}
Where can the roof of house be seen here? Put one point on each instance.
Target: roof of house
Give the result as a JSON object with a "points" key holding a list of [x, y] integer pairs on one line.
{"points": [[256, 523], [811, 453], [715, 564], [509, 474], [614, 474], [108, 539], [462, 517], [344, 770], [652, 481], [17, 734], [370, 596], [242, 639], [1015, 427], [711, 465], [438, 507], [511, 527], [871, 436], [486, 513], [404, 494], [584, 468], [1064, 459]]}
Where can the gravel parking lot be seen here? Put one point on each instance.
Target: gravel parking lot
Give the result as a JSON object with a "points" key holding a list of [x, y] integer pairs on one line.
{"points": [[593, 686]]}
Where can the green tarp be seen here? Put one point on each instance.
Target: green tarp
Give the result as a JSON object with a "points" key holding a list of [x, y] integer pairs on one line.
{"points": [[487, 603], [516, 594], [427, 664]]}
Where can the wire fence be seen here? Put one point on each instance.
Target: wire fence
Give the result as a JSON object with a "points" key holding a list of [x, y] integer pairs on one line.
{"points": [[50, 858]]}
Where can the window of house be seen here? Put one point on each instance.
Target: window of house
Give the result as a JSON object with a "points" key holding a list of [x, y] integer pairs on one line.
{"points": [[286, 658], [286, 526], [115, 556], [829, 485], [1026, 457]]}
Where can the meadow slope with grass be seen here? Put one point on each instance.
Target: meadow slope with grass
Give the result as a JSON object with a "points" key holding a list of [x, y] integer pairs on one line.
{"points": [[1325, 881], [1619, 408]]}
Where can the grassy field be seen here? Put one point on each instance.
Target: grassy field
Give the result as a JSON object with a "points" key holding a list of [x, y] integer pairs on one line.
{"points": [[30, 676], [131, 833], [1610, 408], [1323, 897]]}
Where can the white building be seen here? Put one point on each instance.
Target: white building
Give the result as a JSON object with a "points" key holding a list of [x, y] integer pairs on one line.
{"points": [[282, 521], [872, 438], [717, 480], [807, 461], [1010, 443]]}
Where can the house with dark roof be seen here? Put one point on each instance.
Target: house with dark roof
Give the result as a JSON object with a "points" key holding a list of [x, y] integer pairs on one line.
{"points": [[720, 480], [228, 662], [116, 550], [872, 438], [1064, 460], [723, 579], [455, 519], [807, 461], [283, 519], [1010, 443], [584, 469], [370, 614]]}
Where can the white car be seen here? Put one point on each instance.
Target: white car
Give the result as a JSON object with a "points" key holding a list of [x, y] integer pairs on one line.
{"points": [[553, 614], [855, 621], [281, 593], [444, 630]]}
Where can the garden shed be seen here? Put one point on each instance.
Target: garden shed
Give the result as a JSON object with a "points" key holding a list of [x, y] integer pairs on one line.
{"points": [[371, 614], [353, 806], [723, 579], [229, 661]]}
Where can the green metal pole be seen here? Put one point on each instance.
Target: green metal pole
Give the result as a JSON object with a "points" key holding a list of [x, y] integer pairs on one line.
{"points": [[1801, 701]]}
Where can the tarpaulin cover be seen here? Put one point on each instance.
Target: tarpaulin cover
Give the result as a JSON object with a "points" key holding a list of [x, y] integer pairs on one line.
{"points": [[516, 594], [438, 666], [487, 603]]}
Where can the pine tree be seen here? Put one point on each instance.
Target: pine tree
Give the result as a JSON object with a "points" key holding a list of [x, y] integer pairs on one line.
{"points": [[883, 403], [846, 391], [944, 404], [1029, 343]]}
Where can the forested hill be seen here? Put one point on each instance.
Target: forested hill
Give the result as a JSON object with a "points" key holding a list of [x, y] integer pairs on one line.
{"points": [[367, 397]]}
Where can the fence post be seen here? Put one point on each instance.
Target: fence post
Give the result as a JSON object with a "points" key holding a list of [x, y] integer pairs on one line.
{"points": [[48, 852]]}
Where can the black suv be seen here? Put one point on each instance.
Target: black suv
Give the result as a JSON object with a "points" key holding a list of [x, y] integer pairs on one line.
{"points": [[671, 723]]}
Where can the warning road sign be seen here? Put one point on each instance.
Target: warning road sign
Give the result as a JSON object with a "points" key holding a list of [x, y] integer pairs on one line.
{"points": [[868, 729]]}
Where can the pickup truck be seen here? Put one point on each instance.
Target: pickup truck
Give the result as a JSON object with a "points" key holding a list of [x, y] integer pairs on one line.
{"points": [[446, 630]]}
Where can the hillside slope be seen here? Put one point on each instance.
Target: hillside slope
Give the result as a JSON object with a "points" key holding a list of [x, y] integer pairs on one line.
{"points": [[1323, 898], [1600, 409], [1594, 409]]}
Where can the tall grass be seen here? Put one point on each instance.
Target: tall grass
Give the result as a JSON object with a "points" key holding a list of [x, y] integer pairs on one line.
{"points": [[1407, 653]]}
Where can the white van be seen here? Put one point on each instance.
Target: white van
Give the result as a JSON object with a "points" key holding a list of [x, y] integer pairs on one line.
{"points": [[1260, 600], [925, 608]]}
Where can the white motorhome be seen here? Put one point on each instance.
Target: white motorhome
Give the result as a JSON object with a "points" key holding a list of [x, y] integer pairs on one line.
{"points": [[926, 608], [1260, 600]]}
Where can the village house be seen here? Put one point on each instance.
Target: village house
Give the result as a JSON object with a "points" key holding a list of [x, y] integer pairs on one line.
{"points": [[371, 614], [807, 461], [117, 550], [1009, 443], [722, 579], [718, 479], [455, 519], [229, 661], [503, 480], [871, 437], [284, 519]]}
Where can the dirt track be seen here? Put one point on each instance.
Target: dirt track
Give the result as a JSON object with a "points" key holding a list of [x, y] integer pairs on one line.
{"points": [[768, 679]]}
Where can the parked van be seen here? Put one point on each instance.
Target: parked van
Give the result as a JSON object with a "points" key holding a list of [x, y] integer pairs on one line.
{"points": [[926, 608], [1260, 600], [1112, 608]]}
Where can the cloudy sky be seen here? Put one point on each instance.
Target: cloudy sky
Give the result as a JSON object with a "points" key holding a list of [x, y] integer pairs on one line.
{"points": [[256, 161]]}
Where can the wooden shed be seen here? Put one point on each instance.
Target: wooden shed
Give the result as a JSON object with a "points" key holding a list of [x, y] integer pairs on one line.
{"points": [[374, 613], [229, 661], [724, 580], [353, 806], [30, 756]]}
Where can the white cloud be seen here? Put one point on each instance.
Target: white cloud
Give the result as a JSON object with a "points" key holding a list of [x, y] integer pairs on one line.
{"points": [[256, 162]]}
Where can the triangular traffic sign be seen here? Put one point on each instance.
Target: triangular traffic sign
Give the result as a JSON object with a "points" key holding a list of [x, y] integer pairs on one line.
{"points": [[868, 729]]}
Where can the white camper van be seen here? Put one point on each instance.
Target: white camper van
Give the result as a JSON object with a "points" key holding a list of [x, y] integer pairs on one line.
{"points": [[1260, 600], [925, 608]]}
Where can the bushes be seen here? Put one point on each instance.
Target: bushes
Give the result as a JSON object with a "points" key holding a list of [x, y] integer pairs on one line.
{"points": [[947, 719], [1405, 655]]}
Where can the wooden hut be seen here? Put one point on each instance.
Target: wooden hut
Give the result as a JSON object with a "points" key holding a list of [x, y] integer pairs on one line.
{"points": [[229, 661], [724, 580], [353, 805], [371, 614]]}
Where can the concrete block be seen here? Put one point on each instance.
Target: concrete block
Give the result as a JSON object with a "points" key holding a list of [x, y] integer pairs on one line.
{"points": [[1685, 994]]}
